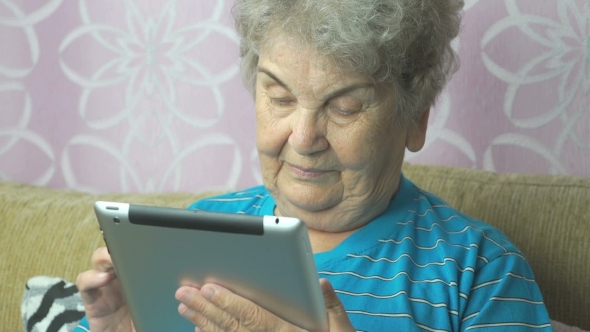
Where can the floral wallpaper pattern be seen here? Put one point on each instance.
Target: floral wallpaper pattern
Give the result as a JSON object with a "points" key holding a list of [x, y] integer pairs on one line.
{"points": [[145, 96]]}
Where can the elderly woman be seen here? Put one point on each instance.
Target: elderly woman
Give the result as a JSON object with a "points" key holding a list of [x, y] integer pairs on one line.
{"points": [[342, 88]]}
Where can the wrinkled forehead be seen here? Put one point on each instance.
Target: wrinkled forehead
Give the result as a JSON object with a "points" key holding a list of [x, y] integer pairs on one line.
{"points": [[295, 54], [302, 69]]}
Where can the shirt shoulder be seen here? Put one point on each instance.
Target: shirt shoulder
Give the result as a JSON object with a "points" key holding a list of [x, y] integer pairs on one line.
{"points": [[433, 220], [424, 256], [255, 201]]}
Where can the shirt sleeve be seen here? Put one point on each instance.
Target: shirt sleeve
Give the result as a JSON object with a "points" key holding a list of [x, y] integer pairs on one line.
{"points": [[82, 326], [505, 297]]}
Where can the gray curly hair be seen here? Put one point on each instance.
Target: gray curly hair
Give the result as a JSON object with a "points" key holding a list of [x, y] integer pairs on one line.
{"points": [[403, 44]]}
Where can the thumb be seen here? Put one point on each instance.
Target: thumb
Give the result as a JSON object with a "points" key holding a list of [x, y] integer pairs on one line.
{"points": [[337, 317]]}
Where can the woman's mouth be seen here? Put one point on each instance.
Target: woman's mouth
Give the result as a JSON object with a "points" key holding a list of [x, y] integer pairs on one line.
{"points": [[306, 173]]}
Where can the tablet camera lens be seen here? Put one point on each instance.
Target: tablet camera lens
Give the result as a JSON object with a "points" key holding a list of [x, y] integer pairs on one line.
{"points": [[116, 220], [277, 221]]}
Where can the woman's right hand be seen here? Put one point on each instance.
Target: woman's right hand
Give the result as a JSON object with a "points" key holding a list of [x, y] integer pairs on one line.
{"points": [[106, 309]]}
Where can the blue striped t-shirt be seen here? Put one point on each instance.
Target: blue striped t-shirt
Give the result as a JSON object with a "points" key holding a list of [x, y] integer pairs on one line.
{"points": [[420, 266]]}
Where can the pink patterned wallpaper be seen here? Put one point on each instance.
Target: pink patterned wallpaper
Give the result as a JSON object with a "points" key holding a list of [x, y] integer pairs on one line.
{"points": [[129, 95]]}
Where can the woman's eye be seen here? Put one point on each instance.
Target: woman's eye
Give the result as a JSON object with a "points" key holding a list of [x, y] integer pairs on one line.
{"points": [[282, 102], [343, 112]]}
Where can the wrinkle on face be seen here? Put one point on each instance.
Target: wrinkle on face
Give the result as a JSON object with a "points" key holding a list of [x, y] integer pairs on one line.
{"points": [[351, 139]]}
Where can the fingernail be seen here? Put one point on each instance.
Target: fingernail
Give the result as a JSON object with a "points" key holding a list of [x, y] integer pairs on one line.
{"points": [[207, 292], [103, 275], [185, 296]]}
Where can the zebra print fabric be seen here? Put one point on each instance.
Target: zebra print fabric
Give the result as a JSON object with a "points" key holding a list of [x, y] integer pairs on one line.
{"points": [[51, 305]]}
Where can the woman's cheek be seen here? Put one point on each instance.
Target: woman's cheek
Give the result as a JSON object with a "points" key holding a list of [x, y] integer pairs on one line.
{"points": [[271, 134], [269, 139]]}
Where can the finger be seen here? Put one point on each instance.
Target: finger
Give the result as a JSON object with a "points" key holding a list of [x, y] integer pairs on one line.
{"points": [[337, 316], [92, 279], [202, 323], [330, 298], [204, 314], [247, 315], [101, 260], [90, 283]]}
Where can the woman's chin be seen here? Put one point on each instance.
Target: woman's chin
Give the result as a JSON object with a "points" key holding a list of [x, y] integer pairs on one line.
{"points": [[298, 200], [321, 212]]}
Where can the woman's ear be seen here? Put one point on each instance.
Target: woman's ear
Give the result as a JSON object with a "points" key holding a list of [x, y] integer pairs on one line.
{"points": [[417, 136]]}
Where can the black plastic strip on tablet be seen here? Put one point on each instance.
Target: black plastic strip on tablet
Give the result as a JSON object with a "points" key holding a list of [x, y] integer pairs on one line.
{"points": [[196, 219]]}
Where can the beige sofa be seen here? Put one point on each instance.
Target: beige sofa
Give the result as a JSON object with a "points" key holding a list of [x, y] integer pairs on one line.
{"points": [[53, 232]]}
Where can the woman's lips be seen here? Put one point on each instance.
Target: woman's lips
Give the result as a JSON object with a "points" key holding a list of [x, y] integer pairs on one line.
{"points": [[307, 173]]}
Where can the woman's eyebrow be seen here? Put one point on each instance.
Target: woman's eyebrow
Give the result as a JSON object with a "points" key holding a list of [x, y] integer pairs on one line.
{"points": [[348, 89], [276, 79]]}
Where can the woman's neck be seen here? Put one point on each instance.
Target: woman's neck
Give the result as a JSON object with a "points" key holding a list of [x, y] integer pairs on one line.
{"points": [[322, 241]]}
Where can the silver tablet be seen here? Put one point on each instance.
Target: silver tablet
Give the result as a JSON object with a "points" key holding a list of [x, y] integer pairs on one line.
{"points": [[266, 259]]}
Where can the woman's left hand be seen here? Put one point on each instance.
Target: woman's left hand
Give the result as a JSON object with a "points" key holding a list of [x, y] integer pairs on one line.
{"points": [[214, 308]]}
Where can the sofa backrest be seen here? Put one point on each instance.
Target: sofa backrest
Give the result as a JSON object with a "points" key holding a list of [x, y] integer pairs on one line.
{"points": [[546, 216], [53, 232]]}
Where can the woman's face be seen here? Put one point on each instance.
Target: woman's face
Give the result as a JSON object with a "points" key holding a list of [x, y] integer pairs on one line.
{"points": [[330, 148]]}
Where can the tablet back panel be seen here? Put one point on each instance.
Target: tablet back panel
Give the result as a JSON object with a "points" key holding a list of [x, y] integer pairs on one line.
{"points": [[265, 259]]}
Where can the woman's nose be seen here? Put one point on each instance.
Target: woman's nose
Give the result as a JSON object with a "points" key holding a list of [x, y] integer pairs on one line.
{"points": [[308, 132]]}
